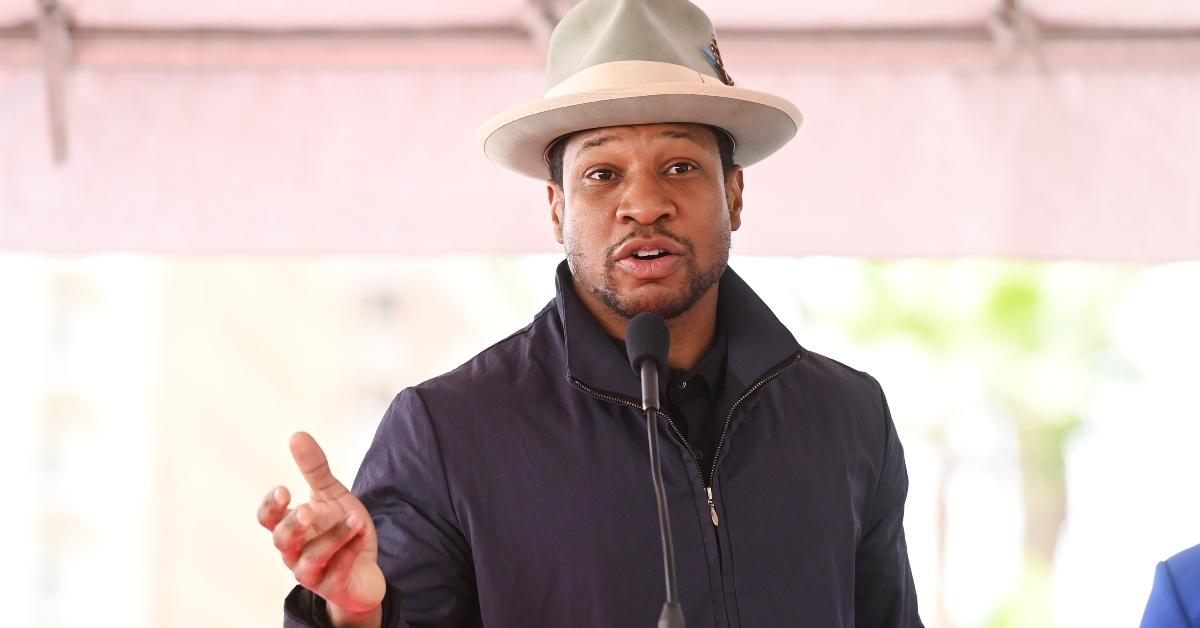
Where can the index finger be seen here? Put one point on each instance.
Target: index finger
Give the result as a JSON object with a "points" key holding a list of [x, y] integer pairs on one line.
{"points": [[313, 463]]}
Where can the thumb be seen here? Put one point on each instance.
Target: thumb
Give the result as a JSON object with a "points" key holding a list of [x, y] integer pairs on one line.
{"points": [[313, 463]]}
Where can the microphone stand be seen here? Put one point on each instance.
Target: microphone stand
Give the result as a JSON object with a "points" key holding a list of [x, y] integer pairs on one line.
{"points": [[672, 613]]}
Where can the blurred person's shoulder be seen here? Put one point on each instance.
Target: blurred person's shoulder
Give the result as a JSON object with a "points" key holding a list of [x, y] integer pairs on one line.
{"points": [[1174, 599], [1185, 568]]}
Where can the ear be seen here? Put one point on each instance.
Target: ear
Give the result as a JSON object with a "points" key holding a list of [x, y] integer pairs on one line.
{"points": [[733, 197], [554, 194]]}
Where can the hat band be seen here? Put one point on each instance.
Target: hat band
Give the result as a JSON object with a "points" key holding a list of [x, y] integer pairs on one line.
{"points": [[623, 74]]}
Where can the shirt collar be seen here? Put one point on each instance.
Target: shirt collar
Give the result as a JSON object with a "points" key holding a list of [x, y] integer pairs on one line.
{"points": [[710, 368]]}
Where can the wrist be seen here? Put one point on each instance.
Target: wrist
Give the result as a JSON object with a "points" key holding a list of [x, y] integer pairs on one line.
{"points": [[342, 618]]}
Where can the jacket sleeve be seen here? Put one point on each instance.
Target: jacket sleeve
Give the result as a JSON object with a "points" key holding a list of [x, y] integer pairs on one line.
{"points": [[884, 596], [423, 553]]}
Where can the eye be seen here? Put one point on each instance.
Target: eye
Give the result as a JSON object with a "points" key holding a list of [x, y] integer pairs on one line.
{"points": [[601, 175], [682, 167]]}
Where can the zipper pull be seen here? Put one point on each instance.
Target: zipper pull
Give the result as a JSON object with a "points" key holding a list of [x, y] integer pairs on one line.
{"points": [[712, 508]]}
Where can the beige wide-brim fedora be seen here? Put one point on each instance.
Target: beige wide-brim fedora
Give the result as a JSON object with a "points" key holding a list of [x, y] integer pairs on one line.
{"points": [[623, 62]]}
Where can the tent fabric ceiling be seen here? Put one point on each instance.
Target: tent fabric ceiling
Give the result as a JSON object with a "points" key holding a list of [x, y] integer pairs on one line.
{"points": [[724, 13], [377, 156]]}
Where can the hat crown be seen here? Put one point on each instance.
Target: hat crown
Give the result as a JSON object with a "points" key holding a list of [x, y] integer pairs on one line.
{"points": [[629, 62], [604, 31]]}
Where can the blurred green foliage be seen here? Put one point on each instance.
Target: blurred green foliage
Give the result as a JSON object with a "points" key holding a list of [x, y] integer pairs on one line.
{"points": [[1037, 334]]}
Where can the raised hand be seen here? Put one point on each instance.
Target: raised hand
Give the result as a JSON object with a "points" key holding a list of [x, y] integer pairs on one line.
{"points": [[329, 543]]}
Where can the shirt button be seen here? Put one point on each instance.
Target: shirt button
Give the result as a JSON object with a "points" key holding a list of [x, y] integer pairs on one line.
{"points": [[683, 384]]}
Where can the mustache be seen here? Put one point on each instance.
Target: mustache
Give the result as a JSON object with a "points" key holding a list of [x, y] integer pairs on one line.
{"points": [[649, 232]]}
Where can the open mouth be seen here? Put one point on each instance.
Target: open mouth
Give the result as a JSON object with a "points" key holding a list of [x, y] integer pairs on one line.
{"points": [[648, 260], [647, 249], [648, 254]]}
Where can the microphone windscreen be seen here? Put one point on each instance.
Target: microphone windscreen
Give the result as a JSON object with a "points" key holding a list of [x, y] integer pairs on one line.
{"points": [[647, 337]]}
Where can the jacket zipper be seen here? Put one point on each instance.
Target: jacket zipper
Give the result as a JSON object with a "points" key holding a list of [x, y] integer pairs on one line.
{"points": [[712, 471], [712, 474], [634, 404]]}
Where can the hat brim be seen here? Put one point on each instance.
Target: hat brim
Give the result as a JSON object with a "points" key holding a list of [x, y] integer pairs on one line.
{"points": [[760, 123]]}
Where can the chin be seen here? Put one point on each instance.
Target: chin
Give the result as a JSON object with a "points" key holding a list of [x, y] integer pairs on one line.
{"points": [[667, 303]]}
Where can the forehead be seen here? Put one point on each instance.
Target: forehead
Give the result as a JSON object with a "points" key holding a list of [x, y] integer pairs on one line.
{"points": [[697, 133]]}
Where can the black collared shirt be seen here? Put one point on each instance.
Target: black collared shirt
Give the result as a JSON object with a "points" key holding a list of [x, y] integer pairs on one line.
{"points": [[697, 400]]}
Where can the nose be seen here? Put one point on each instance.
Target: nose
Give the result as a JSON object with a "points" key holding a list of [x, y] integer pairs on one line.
{"points": [[645, 200]]}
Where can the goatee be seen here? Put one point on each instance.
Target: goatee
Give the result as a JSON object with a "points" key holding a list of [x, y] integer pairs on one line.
{"points": [[700, 281]]}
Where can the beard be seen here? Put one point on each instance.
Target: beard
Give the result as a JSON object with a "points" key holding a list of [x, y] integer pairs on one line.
{"points": [[698, 280]]}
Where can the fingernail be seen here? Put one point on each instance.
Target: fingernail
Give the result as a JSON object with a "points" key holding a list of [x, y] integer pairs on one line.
{"points": [[352, 521], [302, 517], [278, 495]]}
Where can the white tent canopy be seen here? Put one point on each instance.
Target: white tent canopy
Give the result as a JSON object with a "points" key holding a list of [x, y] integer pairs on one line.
{"points": [[931, 129]]}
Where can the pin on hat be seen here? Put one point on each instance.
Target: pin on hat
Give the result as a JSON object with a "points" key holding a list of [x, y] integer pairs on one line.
{"points": [[624, 62]]}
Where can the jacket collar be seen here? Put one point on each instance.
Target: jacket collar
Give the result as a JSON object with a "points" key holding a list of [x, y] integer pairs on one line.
{"points": [[757, 341]]}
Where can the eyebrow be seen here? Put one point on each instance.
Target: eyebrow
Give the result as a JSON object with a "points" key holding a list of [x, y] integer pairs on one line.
{"points": [[675, 134], [682, 135], [595, 142]]}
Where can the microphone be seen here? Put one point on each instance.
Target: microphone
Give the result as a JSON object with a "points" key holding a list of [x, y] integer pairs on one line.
{"points": [[648, 341]]}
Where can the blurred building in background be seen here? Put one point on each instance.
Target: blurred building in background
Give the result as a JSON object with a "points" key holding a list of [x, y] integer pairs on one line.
{"points": [[224, 222]]}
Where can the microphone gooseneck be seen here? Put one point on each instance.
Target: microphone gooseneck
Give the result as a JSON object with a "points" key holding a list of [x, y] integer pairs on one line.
{"points": [[648, 342]]}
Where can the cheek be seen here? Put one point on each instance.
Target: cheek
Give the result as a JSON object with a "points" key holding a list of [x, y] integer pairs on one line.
{"points": [[716, 223], [583, 232], [576, 241]]}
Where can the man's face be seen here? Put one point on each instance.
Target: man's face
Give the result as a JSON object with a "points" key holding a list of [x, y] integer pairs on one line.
{"points": [[645, 214]]}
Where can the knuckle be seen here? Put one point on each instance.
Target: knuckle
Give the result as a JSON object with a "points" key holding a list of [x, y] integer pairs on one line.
{"points": [[282, 537], [307, 573]]}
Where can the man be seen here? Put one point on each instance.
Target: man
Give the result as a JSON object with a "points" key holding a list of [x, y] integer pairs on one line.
{"points": [[514, 490]]}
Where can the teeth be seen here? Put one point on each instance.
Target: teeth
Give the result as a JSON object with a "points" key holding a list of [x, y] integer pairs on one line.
{"points": [[648, 252]]}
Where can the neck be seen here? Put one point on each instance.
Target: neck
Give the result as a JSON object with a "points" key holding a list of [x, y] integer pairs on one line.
{"points": [[691, 332]]}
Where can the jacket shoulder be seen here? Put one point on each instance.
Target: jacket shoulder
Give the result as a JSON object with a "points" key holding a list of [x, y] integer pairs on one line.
{"points": [[850, 401], [534, 351], [1171, 604], [837, 376], [1186, 562]]}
